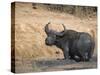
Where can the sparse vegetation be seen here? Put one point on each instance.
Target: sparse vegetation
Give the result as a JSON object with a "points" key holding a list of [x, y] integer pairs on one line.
{"points": [[79, 11]]}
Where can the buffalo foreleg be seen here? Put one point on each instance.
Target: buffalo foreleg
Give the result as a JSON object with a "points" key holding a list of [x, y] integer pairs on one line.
{"points": [[66, 52]]}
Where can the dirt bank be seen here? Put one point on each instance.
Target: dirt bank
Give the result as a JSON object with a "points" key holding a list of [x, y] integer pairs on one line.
{"points": [[30, 35]]}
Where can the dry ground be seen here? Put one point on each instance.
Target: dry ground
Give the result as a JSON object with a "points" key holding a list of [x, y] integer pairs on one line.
{"points": [[30, 37]]}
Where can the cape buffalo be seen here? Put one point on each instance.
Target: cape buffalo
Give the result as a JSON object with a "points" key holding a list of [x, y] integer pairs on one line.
{"points": [[78, 46]]}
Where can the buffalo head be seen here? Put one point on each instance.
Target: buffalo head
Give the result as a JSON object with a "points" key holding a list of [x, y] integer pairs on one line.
{"points": [[53, 35]]}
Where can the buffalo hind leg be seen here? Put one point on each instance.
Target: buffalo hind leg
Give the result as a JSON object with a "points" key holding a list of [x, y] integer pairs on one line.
{"points": [[76, 58]]}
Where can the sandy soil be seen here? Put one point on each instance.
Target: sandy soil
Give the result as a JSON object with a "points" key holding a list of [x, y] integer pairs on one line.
{"points": [[30, 35]]}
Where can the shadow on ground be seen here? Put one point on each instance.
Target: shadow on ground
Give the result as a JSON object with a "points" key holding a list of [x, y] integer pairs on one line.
{"points": [[46, 65], [56, 65]]}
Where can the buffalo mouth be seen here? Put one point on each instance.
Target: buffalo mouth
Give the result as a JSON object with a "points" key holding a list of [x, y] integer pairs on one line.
{"points": [[48, 44]]}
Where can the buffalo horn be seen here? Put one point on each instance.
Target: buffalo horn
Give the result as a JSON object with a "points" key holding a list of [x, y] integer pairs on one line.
{"points": [[63, 32], [47, 28]]}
